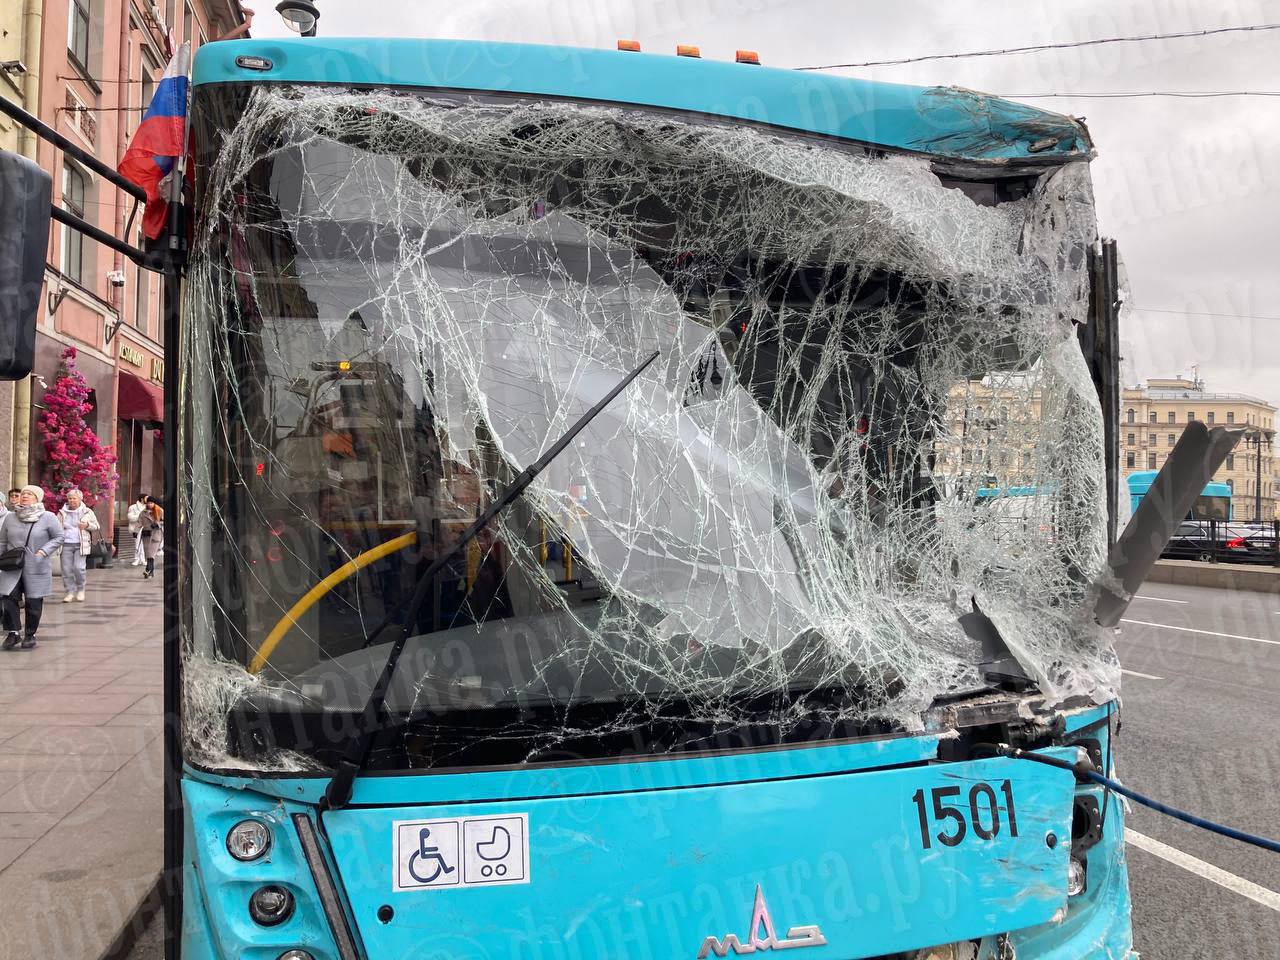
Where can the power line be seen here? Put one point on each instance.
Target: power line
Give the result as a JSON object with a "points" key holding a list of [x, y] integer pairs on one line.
{"points": [[1201, 313], [1123, 95], [1051, 46]]}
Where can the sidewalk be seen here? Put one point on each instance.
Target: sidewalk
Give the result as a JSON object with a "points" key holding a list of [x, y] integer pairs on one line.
{"points": [[81, 769]]}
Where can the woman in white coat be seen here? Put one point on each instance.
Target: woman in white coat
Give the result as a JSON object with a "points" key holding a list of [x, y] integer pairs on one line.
{"points": [[37, 532], [78, 525]]}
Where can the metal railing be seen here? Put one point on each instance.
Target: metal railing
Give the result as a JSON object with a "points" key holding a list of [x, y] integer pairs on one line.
{"points": [[1227, 541]]}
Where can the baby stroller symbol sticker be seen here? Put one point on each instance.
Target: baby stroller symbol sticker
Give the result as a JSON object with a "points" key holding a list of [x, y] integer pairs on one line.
{"points": [[495, 849], [427, 858]]}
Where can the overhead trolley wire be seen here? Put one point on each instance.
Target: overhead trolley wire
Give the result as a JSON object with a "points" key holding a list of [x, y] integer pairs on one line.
{"points": [[1037, 48], [1122, 95], [1201, 313]]}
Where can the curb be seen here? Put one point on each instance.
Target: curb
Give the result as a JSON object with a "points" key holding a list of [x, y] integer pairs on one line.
{"points": [[1222, 576], [147, 910]]}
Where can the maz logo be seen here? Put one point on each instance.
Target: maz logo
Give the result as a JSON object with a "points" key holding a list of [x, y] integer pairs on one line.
{"points": [[761, 935]]}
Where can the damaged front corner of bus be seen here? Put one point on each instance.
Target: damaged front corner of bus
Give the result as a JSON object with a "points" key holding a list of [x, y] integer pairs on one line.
{"points": [[870, 427]]}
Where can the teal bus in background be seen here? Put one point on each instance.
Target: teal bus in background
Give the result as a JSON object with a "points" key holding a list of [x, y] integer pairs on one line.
{"points": [[1214, 502]]}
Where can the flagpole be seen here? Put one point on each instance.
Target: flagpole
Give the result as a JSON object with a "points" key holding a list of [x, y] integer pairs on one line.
{"points": [[174, 263]]}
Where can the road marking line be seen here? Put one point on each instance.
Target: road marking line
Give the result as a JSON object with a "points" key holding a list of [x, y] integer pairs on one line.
{"points": [[1229, 636], [1144, 676], [1138, 596], [1228, 881]]}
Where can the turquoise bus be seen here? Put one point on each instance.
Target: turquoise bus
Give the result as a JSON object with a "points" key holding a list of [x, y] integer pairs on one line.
{"points": [[1214, 502], [562, 565]]}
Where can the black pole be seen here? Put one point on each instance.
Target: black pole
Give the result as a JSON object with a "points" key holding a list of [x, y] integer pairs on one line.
{"points": [[46, 132], [1257, 478], [171, 879], [175, 261], [93, 233]]}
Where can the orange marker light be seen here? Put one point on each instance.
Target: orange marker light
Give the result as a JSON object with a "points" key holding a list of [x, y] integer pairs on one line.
{"points": [[344, 365], [687, 50], [631, 46], [747, 56]]}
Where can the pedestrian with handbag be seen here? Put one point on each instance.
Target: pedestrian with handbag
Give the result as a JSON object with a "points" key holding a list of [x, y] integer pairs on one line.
{"points": [[29, 537], [153, 536], [78, 525], [136, 510]]}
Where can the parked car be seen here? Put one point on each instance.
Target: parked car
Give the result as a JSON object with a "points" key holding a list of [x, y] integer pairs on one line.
{"points": [[1210, 540]]}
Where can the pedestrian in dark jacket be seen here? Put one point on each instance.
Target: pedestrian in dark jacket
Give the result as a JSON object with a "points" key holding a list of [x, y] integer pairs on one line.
{"points": [[153, 536], [38, 533]]}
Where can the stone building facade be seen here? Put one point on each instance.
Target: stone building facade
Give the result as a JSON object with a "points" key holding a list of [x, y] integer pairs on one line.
{"points": [[1153, 416], [99, 62]]}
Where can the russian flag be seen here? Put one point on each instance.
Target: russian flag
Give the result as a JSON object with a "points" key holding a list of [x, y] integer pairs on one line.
{"points": [[159, 141]]}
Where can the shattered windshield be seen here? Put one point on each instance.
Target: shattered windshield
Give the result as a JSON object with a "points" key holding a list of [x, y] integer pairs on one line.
{"points": [[396, 303]]}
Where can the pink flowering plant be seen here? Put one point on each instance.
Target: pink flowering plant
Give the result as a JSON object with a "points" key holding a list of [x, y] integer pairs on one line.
{"points": [[76, 458]]}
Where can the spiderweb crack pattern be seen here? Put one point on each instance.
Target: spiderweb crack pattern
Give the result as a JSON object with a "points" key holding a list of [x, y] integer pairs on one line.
{"points": [[788, 501]]}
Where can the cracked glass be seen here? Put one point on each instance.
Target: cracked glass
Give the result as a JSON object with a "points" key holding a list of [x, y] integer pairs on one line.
{"points": [[869, 417]]}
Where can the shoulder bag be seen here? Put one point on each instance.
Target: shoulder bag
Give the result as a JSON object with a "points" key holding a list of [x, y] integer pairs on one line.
{"points": [[13, 558]]}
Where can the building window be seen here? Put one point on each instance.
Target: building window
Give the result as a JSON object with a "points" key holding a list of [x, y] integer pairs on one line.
{"points": [[1209, 417], [1152, 416], [1191, 415], [1172, 439], [1152, 439], [1131, 440], [73, 187], [78, 32], [1151, 461], [80, 117], [148, 89], [1231, 417], [1129, 415], [142, 295], [1173, 417], [1231, 461], [1130, 460]]}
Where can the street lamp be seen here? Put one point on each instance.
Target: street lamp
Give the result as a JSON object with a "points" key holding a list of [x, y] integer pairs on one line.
{"points": [[1257, 437], [299, 16]]}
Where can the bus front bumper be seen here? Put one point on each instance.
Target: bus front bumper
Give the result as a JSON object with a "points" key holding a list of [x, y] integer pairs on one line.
{"points": [[837, 863]]}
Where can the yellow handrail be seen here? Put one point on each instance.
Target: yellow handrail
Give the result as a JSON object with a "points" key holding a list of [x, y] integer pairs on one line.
{"points": [[309, 599]]}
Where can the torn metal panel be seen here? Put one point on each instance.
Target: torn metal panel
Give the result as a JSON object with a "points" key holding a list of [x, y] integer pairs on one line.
{"points": [[396, 302], [1196, 457], [975, 125]]}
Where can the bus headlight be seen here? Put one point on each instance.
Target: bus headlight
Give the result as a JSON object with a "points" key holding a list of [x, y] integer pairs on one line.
{"points": [[271, 905], [248, 840], [1075, 877], [295, 955]]}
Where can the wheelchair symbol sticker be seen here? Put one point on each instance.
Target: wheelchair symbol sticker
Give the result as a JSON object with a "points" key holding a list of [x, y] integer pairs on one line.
{"points": [[467, 852], [427, 854]]}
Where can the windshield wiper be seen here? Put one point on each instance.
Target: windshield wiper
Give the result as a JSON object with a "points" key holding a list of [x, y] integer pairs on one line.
{"points": [[338, 793]]}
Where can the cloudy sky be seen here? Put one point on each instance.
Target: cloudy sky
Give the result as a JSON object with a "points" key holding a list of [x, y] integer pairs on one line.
{"points": [[1190, 188]]}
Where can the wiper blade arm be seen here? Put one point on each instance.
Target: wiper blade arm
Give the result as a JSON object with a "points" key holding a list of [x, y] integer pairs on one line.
{"points": [[338, 793]]}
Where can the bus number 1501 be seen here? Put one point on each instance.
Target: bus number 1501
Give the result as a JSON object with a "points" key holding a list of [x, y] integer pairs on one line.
{"points": [[982, 814]]}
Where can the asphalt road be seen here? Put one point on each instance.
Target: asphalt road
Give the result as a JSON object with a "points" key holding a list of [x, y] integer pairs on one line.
{"points": [[1204, 737], [1201, 731]]}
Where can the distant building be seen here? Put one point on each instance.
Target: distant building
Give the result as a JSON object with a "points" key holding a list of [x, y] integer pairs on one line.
{"points": [[1153, 417], [989, 434], [88, 69], [20, 50]]}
